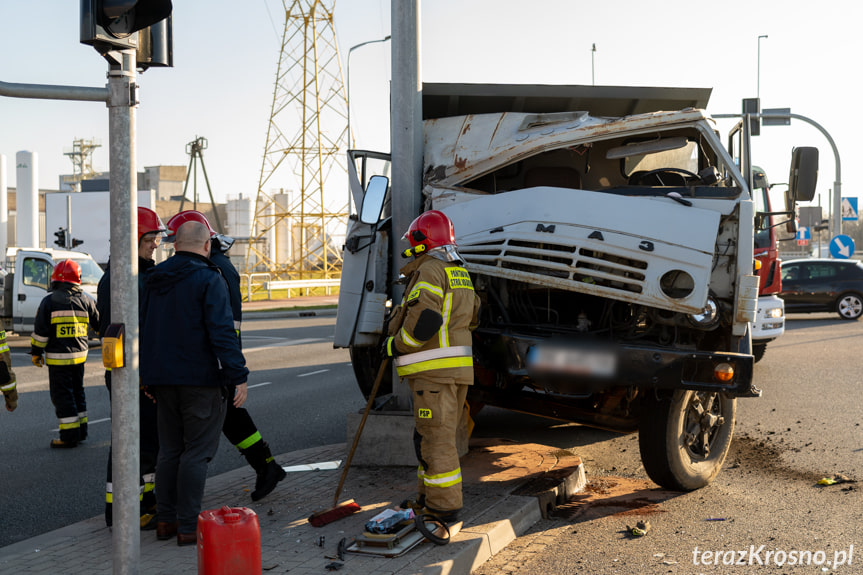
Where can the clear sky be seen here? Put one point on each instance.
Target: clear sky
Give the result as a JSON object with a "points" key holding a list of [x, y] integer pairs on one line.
{"points": [[226, 54]]}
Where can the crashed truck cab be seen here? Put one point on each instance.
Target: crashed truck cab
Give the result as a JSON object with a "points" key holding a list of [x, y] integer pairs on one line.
{"points": [[614, 259]]}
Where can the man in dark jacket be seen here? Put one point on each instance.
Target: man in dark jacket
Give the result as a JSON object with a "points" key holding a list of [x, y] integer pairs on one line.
{"points": [[150, 232], [59, 339], [189, 355], [239, 427]]}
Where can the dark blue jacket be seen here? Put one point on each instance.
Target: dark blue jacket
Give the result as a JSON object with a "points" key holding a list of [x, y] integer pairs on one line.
{"points": [[187, 331]]}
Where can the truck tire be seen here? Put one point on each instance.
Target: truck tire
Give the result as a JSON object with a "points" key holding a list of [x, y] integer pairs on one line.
{"points": [[684, 436], [758, 350], [366, 361]]}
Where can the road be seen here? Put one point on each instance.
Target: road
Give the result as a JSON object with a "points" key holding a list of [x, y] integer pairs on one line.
{"points": [[805, 427], [299, 392], [808, 425]]}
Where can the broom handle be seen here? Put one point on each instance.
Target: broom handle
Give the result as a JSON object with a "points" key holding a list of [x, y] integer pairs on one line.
{"points": [[384, 365]]}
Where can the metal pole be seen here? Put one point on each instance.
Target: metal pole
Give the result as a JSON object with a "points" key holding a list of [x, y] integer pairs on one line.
{"points": [[68, 222], [406, 133], [348, 82], [758, 87], [125, 424], [592, 76], [836, 217]]}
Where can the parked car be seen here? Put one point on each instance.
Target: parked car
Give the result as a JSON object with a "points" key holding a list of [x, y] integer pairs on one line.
{"points": [[823, 285]]}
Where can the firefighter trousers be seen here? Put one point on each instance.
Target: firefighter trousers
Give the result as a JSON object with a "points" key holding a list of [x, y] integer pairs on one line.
{"points": [[438, 409], [241, 431], [148, 451], [66, 383]]}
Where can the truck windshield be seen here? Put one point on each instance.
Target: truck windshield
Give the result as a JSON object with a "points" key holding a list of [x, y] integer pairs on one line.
{"points": [[91, 273]]}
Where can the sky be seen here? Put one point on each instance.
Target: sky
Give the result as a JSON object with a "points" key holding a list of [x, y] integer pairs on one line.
{"points": [[226, 55]]}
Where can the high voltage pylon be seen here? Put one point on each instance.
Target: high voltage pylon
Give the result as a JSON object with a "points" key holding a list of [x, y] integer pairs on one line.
{"points": [[306, 137]]}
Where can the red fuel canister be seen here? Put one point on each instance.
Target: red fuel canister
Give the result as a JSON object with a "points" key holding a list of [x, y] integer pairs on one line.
{"points": [[229, 542]]}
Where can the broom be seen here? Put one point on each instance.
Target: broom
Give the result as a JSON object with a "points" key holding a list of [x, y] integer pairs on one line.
{"points": [[321, 518]]}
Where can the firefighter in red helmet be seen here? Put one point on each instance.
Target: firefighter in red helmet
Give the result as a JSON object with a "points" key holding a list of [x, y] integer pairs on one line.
{"points": [[59, 339], [430, 339], [150, 233], [238, 427]]}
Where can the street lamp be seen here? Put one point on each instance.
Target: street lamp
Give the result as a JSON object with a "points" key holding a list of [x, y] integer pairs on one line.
{"points": [[384, 39], [758, 87]]}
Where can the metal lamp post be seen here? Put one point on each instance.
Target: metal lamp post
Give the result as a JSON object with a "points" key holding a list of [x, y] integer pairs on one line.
{"points": [[758, 80], [360, 45]]}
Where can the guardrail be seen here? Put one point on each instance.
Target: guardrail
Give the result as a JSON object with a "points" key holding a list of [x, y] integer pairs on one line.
{"points": [[263, 280], [301, 284]]}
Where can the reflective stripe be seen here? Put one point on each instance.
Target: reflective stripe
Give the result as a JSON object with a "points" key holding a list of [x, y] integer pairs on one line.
{"points": [[435, 364], [447, 314], [73, 358], [69, 319], [69, 423], [408, 339], [249, 441], [444, 352], [237, 325], [149, 478], [415, 292], [4, 347], [82, 417], [8, 387], [38, 340], [443, 479]]}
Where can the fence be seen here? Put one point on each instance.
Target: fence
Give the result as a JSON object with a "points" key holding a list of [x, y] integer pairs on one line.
{"points": [[263, 280]]}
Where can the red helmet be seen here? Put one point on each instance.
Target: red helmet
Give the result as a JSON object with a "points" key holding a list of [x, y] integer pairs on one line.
{"points": [[187, 216], [148, 222], [431, 229], [67, 271]]}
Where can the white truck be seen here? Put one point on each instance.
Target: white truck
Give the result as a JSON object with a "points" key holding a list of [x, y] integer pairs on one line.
{"points": [[26, 279], [609, 234]]}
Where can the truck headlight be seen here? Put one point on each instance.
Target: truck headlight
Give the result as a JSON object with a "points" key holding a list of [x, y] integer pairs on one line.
{"points": [[775, 312], [709, 315]]}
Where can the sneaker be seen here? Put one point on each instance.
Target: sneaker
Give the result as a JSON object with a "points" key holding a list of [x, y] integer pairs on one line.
{"points": [[267, 480]]}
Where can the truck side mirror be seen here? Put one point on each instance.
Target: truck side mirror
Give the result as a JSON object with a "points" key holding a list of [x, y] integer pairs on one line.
{"points": [[803, 176], [373, 199]]}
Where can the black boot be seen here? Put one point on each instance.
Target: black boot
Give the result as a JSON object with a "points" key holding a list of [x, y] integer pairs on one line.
{"points": [[267, 480]]}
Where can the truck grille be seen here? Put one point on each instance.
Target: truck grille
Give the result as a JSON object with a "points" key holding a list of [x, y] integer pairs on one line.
{"points": [[566, 266]]}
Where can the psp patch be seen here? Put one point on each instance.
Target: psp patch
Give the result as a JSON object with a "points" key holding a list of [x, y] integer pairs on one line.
{"points": [[424, 413], [72, 330]]}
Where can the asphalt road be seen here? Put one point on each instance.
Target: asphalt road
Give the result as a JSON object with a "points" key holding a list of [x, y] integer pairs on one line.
{"points": [[808, 425], [299, 392]]}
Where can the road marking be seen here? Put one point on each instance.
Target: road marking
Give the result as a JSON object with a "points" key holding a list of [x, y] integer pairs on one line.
{"points": [[258, 385], [313, 372], [285, 343]]}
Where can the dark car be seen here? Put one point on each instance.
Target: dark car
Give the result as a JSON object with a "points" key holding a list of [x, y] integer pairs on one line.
{"points": [[819, 285]]}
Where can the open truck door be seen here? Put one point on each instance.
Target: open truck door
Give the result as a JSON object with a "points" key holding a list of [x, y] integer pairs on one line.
{"points": [[363, 292]]}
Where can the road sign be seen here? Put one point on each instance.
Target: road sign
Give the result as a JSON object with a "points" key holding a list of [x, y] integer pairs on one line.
{"points": [[803, 233], [849, 209], [842, 247]]}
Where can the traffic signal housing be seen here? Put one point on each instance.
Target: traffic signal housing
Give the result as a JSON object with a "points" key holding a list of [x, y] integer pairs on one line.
{"points": [[61, 238], [76, 242], [113, 24]]}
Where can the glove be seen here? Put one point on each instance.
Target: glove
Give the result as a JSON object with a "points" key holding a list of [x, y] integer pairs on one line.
{"points": [[388, 348], [38, 360], [11, 398]]}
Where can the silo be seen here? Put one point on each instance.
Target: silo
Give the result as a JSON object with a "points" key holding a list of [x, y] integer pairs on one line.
{"points": [[27, 199]]}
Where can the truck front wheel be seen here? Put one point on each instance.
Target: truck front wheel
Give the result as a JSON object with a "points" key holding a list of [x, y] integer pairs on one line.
{"points": [[366, 361], [684, 436]]}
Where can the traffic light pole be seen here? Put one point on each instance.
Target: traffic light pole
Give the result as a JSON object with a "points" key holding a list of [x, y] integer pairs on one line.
{"points": [[125, 426]]}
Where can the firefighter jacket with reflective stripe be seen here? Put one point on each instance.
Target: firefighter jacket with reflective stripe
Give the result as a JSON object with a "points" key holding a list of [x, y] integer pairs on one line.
{"points": [[61, 326], [7, 376], [432, 326]]}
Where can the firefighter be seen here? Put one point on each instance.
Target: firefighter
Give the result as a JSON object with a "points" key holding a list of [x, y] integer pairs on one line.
{"points": [[238, 427], [8, 383], [430, 339], [59, 339], [150, 233]]}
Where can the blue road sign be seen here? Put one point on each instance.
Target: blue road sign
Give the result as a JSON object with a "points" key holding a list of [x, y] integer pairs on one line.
{"points": [[803, 233], [849, 209], [842, 247]]}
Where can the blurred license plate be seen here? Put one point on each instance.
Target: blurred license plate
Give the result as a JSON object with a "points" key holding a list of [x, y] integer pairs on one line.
{"points": [[592, 361]]}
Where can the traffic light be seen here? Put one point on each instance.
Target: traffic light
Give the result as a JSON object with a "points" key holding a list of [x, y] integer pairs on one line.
{"points": [[61, 238], [76, 242], [112, 24]]}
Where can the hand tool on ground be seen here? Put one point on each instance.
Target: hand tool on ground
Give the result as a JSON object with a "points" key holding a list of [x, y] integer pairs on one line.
{"points": [[337, 511]]}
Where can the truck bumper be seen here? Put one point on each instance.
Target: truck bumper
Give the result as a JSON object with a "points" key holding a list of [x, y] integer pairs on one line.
{"points": [[769, 319], [579, 367]]}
